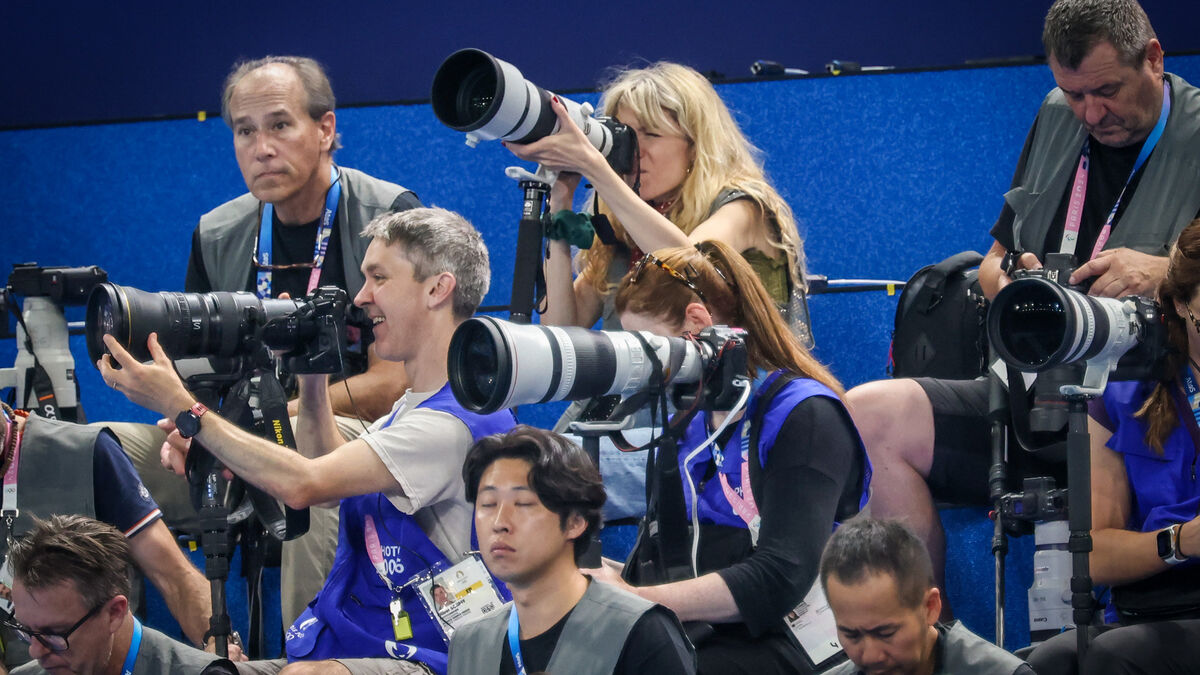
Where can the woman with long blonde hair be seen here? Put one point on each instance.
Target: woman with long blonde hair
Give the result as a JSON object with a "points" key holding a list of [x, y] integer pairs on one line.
{"points": [[762, 512], [696, 177]]}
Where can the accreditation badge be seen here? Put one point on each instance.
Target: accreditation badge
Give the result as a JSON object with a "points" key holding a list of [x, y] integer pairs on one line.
{"points": [[456, 594], [812, 625]]}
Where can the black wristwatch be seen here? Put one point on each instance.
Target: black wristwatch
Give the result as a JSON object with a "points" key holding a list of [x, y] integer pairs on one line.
{"points": [[188, 421], [1168, 545]]}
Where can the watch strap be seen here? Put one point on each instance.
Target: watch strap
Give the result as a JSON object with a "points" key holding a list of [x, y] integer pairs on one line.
{"points": [[1174, 557]]}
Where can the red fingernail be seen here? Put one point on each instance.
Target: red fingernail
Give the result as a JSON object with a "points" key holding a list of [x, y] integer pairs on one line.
{"points": [[556, 99]]}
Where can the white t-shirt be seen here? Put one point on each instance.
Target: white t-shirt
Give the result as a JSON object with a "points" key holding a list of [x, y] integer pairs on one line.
{"points": [[424, 450]]}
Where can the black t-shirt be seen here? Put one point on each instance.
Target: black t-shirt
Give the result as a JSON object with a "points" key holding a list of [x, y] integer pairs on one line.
{"points": [[814, 467], [291, 244], [654, 645], [1107, 171]]}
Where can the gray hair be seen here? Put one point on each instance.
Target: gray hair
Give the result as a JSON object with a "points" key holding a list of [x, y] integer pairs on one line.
{"points": [[1074, 27], [865, 547], [435, 241], [318, 92], [92, 555]]}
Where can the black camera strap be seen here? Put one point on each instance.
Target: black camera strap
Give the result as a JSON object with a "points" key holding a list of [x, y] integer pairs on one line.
{"points": [[277, 427]]}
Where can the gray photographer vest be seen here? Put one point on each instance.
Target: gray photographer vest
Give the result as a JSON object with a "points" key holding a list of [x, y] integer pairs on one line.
{"points": [[590, 643], [1167, 196], [229, 232], [54, 473]]}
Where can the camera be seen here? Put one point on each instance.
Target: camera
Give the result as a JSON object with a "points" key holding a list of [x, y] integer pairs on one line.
{"points": [[1038, 323], [494, 364], [309, 331], [43, 373], [489, 99]]}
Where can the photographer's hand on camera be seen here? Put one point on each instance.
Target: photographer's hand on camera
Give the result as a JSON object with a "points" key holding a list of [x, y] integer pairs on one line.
{"points": [[998, 265], [154, 385], [1120, 272]]}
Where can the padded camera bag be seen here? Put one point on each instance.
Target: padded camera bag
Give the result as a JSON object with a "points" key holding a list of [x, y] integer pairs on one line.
{"points": [[940, 328]]}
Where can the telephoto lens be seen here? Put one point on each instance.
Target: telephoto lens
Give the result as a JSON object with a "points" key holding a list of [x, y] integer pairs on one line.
{"points": [[188, 324]]}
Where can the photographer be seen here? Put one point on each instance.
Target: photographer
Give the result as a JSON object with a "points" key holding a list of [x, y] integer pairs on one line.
{"points": [[697, 177], [269, 241], [1108, 174], [402, 504], [66, 468], [1144, 502], [759, 549]]}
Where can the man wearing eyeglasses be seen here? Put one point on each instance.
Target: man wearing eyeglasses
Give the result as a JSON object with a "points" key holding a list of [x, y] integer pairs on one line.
{"points": [[71, 605], [297, 227]]}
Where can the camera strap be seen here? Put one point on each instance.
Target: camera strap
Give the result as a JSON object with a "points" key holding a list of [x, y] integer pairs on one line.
{"points": [[263, 253], [1079, 188]]}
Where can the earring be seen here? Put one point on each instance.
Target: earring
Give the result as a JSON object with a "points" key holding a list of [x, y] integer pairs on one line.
{"points": [[1195, 321]]}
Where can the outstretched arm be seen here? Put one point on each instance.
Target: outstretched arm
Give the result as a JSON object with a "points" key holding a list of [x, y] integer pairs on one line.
{"points": [[336, 472]]}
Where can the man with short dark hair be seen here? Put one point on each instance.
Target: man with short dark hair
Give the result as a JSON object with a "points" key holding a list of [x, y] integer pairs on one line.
{"points": [[71, 604], [879, 582], [1108, 173], [537, 504], [402, 509], [66, 468], [298, 227]]}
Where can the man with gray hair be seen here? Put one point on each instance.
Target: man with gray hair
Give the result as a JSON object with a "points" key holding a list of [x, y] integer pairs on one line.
{"points": [[879, 582], [298, 227], [1109, 174], [404, 515], [71, 604]]}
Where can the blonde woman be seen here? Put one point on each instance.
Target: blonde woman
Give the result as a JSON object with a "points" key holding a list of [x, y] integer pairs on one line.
{"points": [[696, 178]]}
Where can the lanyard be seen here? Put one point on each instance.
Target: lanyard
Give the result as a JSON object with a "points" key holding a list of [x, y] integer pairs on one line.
{"points": [[263, 254], [514, 640], [11, 511], [134, 644], [1079, 189], [375, 553], [743, 505]]}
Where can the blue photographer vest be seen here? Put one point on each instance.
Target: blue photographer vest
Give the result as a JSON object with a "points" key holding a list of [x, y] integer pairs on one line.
{"points": [[1162, 487], [714, 508], [350, 617]]}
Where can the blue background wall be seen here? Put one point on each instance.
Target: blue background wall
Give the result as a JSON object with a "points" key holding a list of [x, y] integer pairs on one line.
{"points": [[78, 60], [885, 172]]}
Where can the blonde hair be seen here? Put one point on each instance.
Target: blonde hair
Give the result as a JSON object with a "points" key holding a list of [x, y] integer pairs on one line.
{"points": [[733, 293], [672, 97]]}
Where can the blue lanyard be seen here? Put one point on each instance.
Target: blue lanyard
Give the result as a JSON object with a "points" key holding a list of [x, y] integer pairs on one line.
{"points": [[263, 254], [1192, 390], [514, 640], [134, 644]]}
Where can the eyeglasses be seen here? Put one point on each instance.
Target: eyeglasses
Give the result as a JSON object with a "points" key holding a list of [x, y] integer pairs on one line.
{"points": [[674, 273], [278, 268], [55, 642]]}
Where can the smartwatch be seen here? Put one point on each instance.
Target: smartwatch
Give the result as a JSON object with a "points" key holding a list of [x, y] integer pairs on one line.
{"points": [[188, 421], [1168, 545]]}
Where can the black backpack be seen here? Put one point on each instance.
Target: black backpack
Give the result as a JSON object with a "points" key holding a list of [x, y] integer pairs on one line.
{"points": [[941, 322]]}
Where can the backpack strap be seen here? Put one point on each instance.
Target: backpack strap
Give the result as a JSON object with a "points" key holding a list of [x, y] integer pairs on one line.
{"points": [[934, 286]]}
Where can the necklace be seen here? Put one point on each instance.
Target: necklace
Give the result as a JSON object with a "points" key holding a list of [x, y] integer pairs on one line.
{"points": [[663, 207]]}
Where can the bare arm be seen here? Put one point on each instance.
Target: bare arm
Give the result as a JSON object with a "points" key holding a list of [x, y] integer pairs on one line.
{"points": [[705, 598], [339, 471], [991, 275], [185, 589], [1119, 555], [569, 301]]}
